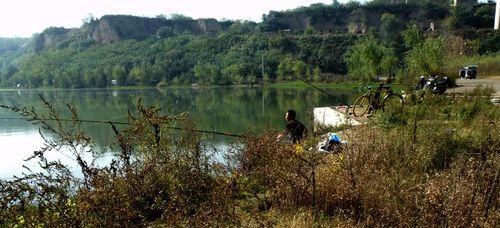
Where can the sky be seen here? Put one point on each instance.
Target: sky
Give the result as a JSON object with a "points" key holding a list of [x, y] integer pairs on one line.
{"points": [[23, 18]]}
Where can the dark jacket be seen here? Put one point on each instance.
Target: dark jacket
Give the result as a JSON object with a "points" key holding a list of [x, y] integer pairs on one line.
{"points": [[295, 131]]}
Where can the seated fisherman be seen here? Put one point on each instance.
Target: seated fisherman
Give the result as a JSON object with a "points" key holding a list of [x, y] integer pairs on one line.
{"points": [[295, 131]]}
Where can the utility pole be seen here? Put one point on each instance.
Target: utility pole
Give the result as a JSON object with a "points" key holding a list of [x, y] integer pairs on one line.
{"points": [[497, 16], [262, 63]]}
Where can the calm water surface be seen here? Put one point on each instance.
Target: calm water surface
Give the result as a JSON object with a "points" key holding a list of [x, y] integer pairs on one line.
{"points": [[231, 109]]}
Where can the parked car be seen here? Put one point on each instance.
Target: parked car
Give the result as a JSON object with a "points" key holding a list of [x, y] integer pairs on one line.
{"points": [[469, 71]]}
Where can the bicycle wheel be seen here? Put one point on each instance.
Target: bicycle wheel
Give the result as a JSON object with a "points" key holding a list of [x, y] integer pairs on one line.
{"points": [[361, 106], [393, 102]]}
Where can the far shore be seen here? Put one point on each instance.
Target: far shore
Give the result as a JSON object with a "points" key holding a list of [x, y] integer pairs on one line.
{"points": [[292, 84]]}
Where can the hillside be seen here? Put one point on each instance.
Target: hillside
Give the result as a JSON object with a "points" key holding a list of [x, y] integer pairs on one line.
{"points": [[309, 42], [116, 28]]}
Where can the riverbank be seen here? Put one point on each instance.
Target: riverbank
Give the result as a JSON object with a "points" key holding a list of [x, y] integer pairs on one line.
{"points": [[434, 164], [291, 84]]}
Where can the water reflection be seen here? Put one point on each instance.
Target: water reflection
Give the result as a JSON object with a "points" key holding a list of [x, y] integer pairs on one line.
{"points": [[234, 110]]}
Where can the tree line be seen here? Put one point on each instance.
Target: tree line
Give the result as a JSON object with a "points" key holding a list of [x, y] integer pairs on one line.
{"points": [[247, 53]]}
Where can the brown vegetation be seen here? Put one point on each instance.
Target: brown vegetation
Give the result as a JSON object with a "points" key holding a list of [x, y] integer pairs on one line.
{"points": [[436, 164]]}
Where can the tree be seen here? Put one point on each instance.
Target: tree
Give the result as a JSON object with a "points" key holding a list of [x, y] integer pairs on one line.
{"points": [[164, 32], [208, 73], [390, 28], [285, 70], [89, 79], [267, 78], [309, 30], [299, 69], [137, 76], [412, 36], [102, 79], [180, 17], [317, 74], [282, 42], [157, 73], [118, 73], [369, 59], [336, 4], [427, 58]]}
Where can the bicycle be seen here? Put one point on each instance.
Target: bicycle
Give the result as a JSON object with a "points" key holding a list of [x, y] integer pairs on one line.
{"points": [[371, 101]]}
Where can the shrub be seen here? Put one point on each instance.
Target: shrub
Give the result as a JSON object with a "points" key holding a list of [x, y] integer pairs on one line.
{"points": [[434, 164], [157, 177]]}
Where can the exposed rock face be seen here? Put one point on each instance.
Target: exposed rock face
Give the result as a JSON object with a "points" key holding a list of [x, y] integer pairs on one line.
{"points": [[113, 28], [207, 26], [357, 22], [298, 21], [103, 32], [343, 20], [49, 37], [329, 25]]}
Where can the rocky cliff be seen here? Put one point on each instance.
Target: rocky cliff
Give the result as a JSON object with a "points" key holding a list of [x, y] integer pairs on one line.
{"points": [[355, 19], [323, 18], [113, 28]]}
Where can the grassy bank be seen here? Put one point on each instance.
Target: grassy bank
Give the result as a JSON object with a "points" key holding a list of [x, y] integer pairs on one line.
{"points": [[54, 88], [341, 85], [300, 84], [488, 65], [437, 163]]}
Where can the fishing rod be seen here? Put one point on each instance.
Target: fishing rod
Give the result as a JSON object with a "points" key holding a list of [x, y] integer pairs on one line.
{"points": [[123, 123], [324, 92]]}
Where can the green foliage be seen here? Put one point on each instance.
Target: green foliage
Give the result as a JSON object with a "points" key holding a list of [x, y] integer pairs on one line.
{"points": [[119, 74], [487, 64], [11, 49], [290, 68], [207, 73], [488, 44], [167, 50], [164, 32], [369, 59], [229, 58], [412, 36], [427, 58], [309, 31], [480, 16], [317, 74], [11, 44], [390, 29]]}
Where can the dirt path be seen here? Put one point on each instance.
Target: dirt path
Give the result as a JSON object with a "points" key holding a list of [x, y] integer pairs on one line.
{"points": [[469, 84]]}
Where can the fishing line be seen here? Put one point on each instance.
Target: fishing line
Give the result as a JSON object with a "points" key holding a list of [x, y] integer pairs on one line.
{"points": [[215, 132], [324, 92]]}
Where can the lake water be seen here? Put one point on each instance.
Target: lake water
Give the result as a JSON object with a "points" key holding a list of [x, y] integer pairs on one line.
{"points": [[224, 109]]}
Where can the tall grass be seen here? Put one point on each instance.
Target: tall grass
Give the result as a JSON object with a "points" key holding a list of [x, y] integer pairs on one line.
{"points": [[437, 163], [170, 180], [488, 65]]}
